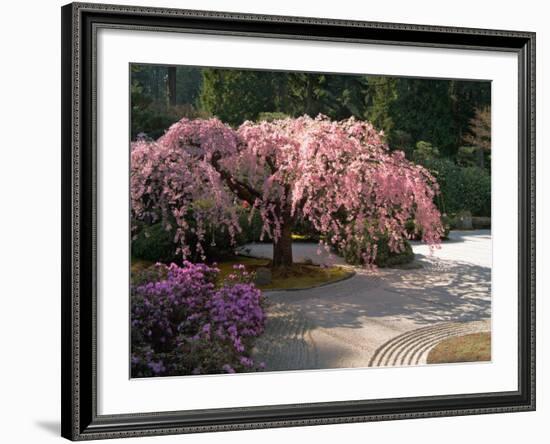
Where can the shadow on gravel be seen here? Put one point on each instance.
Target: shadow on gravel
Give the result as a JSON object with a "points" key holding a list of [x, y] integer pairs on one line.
{"points": [[285, 344], [442, 291]]}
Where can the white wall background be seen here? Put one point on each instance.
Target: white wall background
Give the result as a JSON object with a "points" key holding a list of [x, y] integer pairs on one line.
{"points": [[30, 220]]}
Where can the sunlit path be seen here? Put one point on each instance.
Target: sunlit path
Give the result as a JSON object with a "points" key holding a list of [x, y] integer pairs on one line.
{"points": [[343, 324]]}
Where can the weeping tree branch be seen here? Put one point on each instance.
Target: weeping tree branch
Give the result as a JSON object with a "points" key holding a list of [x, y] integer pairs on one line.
{"points": [[241, 189]]}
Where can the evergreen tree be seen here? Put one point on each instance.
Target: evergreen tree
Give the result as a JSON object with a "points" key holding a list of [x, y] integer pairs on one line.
{"points": [[381, 94], [236, 95], [480, 133]]}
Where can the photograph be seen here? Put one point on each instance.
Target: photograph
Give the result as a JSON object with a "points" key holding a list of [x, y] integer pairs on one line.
{"points": [[288, 220], [291, 220], [275, 222]]}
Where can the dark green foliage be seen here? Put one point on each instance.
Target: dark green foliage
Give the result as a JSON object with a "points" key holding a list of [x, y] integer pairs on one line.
{"points": [[477, 191], [251, 230], [446, 221], [236, 95], [153, 119], [450, 180], [424, 110], [438, 111], [307, 93], [153, 79], [336, 96], [188, 84], [154, 243], [467, 156], [387, 258], [353, 253], [381, 95], [479, 136], [402, 141], [408, 110], [424, 153], [153, 111], [461, 188]]}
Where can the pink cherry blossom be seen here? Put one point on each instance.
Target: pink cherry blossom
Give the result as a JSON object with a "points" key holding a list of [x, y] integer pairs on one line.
{"points": [[339, 176]]}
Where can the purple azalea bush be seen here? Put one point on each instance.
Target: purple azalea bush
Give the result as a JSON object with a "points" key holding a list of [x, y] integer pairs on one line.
{"points": [[184, 323]]}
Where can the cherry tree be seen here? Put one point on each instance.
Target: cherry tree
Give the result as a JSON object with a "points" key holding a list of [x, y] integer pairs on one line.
{"points": [[339, 176]]}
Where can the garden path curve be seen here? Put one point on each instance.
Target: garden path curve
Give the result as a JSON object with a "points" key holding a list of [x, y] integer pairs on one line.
{"points": [[389, 317]]}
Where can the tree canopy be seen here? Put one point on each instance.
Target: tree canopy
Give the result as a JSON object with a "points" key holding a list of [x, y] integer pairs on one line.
{"points": [[452, 116], [337, 175]]}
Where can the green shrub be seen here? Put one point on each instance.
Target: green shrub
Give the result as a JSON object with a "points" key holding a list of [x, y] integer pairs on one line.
{"points": [[461, 188], [387, 258], [353, 253], [401, 140], [424, 152], [251, 230], [154, 243], [415, 232], [466, 156], [477, 191], [481, 222], [450, 180]]}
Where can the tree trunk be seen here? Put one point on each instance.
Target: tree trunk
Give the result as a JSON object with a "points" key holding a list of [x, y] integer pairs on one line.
{"points": [[481, 157], [309, 97], [172, 85], [282, 248]]}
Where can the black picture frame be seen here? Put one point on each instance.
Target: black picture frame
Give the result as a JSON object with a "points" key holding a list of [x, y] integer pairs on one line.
{"points": [[80, 420]]}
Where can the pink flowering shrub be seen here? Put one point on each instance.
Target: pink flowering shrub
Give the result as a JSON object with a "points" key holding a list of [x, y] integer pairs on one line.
{"points": [[183, 323], [339, 177]]}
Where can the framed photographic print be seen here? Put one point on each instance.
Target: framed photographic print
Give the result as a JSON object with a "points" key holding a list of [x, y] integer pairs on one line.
{"points": [[280, 221]]}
